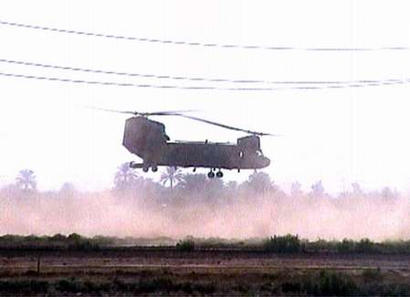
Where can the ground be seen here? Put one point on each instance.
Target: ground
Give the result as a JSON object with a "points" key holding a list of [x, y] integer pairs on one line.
{"points": [[158, 271]]}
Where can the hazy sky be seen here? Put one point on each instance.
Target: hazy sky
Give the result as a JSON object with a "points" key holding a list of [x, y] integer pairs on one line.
{"points": [[335, 135]]}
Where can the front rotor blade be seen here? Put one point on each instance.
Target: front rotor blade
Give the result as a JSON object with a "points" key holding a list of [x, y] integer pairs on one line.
{"points": [[170, 112], [180, 114], [112, 110]]}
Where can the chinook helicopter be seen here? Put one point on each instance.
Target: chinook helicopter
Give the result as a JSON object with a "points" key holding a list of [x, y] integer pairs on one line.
{"points": [[147, 139]]}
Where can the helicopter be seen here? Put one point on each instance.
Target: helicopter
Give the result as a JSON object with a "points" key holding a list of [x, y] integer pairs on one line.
{"points": [[147, 139]]}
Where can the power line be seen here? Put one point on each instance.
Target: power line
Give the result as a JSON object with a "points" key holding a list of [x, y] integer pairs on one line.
{"points": [[179, 78], [106, 83], [199, 44]]}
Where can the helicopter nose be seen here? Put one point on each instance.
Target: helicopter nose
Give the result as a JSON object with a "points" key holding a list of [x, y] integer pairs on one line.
{"points": [[265, 162]]}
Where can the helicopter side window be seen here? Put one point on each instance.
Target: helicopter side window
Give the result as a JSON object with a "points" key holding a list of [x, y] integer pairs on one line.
{"points": [[241, 154]]}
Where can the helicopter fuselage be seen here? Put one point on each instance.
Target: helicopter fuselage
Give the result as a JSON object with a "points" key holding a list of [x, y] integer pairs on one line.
{"points": [[148, 140]]}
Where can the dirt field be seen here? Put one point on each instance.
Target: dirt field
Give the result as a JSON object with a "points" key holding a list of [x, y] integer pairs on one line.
{"points": [[132, 271]]}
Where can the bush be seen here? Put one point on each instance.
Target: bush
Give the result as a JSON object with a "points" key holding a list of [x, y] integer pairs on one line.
{"points": [[160, 284], [346, 246], [283, 244], [323, 284], [365, 246], [71, 286], [32, 286], [338, 284], [207, 289], [372, 275], [186, 245]]}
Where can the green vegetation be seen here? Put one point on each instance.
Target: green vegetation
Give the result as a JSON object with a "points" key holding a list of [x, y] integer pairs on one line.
{"points": [[276, 244], [363, 246], [293, 244], [324, 283], [24, 286], [72, 285], [282, 283], [283, 244], [186, 245], [75, 241]]}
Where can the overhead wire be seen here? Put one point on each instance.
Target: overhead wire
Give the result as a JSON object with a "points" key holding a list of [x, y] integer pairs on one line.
{"points": [[301, 85], [200, 44], [188, 78], [110, 83]]}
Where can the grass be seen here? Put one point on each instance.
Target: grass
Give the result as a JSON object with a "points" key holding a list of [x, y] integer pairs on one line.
{"points": [[286, 283], [72, 285]]}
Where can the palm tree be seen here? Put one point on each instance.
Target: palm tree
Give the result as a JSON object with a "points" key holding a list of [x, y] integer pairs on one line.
{"points": [[296, 189], [26, 180], [317, 189], [195, 183], [172, 175], [260, 182], [125, 177], [67, 190]]}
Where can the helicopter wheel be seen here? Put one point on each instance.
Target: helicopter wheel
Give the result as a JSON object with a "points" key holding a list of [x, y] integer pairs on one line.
{"points": [[145, 169], [154, 168], [211, 174], [219, 174]]}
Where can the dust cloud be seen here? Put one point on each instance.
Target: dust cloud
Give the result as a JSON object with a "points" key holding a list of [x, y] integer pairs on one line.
{"points": [[232, 214]]}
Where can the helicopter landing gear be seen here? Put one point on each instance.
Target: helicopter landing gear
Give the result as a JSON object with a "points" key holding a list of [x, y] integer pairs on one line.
{"points": [[154, 168], [145, 169], [219, 174]]}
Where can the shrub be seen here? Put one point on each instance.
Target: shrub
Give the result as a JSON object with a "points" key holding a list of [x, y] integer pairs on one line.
{"points": [[156, 284], [365, 246], [336, 284], [57, 237], [186, 245], [372, 275], [346, 246], [32, 286], [283, 244], [186, 287], [325, 284], [208, 288], [71, 286]]}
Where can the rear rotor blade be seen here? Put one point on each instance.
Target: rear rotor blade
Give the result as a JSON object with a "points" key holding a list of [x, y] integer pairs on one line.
{"points": [[167, 112], [223, 125]]}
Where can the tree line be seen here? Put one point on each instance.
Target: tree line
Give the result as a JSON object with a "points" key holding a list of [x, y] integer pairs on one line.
{"points": [[174, 181]]}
